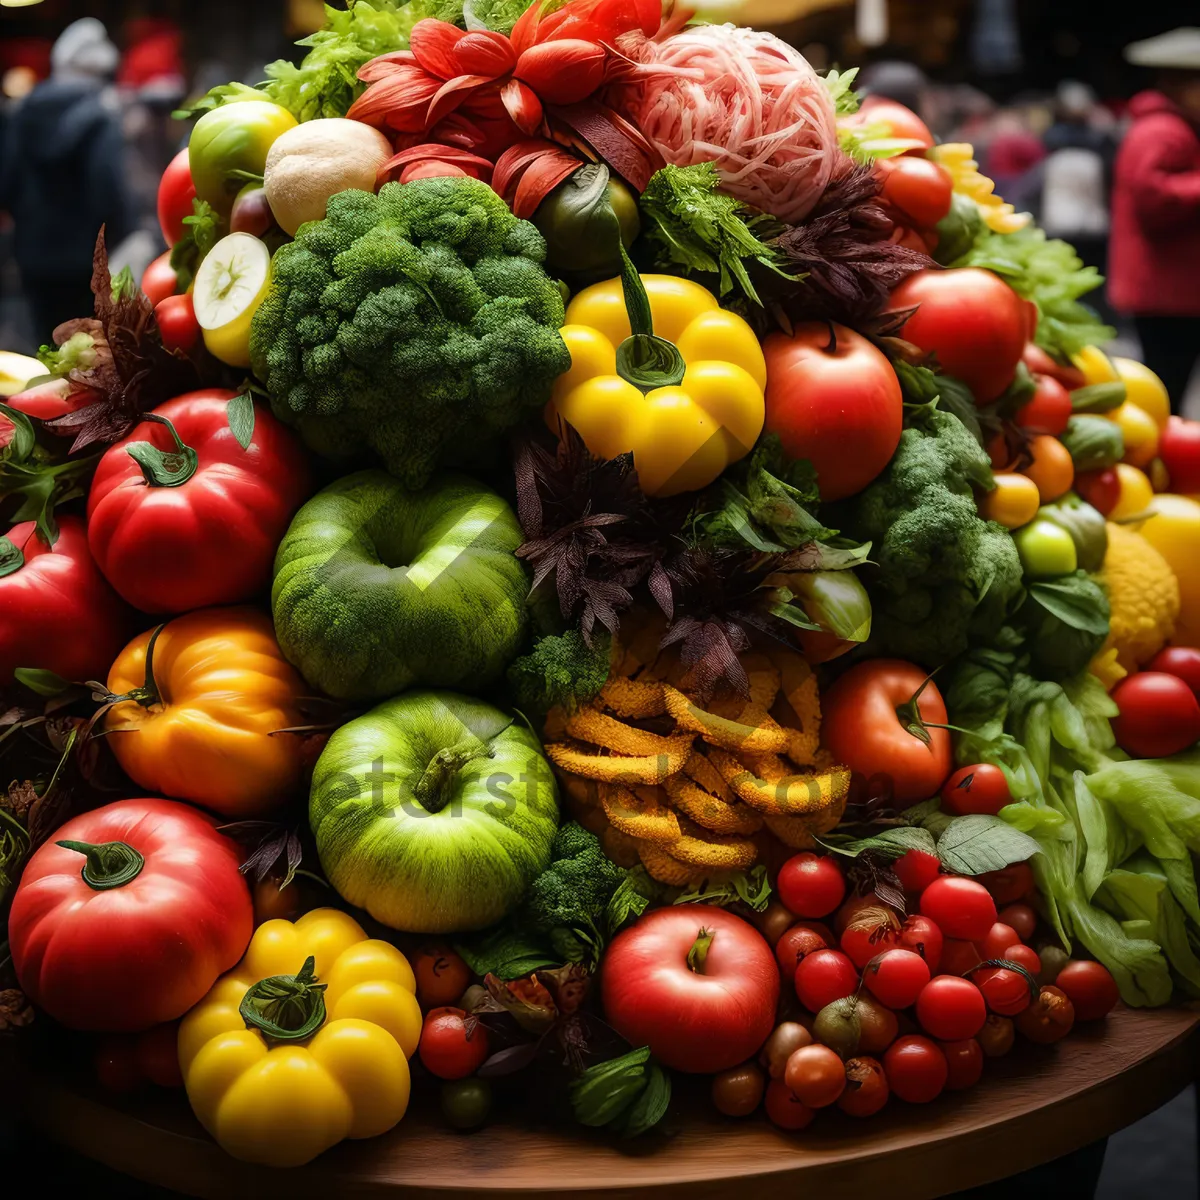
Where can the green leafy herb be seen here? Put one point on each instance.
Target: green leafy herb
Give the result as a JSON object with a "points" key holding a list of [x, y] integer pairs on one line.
{"points": [[215, 97], [974, 844], [43, 682], [240, 414], [747, 887], [840, 86], [77, 353], [695, 227], [124, 286], [506, 952], [888, 843], [630, 1094], [202, 231], [1093, 442]]}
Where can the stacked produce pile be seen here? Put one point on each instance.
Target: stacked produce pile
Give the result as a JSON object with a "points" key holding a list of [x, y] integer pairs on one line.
{"points": [[582, 509]]}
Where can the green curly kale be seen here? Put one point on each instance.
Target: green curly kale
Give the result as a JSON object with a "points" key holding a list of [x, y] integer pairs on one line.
{"points": [[559, 670], [414, 323], [942, 573]]}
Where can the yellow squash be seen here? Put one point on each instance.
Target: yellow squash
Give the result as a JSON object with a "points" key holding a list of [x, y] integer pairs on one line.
{"points": [[674, 378], [198, 713], [304, 1043]]}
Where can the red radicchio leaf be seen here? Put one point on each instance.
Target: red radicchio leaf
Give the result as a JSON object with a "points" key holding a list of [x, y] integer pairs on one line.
{"points": [[485, 52], [385, 65], [563, 72], [433, 44], [613, 139], [470, 164], [398, 101], [523, 106], [529, 171], [451, 94]]}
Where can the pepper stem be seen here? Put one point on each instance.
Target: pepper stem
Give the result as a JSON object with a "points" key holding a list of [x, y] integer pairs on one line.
{"points": [[644, 359], [108, 865], [432, 790], [698, 954], [286, 1008], [164, 468]]}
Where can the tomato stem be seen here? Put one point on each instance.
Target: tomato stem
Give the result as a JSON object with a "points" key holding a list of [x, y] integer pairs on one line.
{"points": [[164, 468], [286, 1008], [432, 790], [698, 954], [108, 864]]}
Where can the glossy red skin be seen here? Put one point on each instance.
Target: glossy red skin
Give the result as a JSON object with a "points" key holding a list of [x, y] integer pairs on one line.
{"points": [[177, 324], [1021, 918], [175, 195], [917, 869], [784, 1109], [964, 1063], [126, 958], [896, 977], [921, 935], [699, 1023], [1159, 716], [1048, 409], [959, 955], [1009, 884], [1181, 661], [1006, 992], [916, 1069], [960, 907], [796, 942], [998, 939], [57, 612], [1090, 988], [1040, 362], [903, 121], [811, 885], [840, 407], [158, 279], [445, 1048], [861, 729], [1101, 489], [1179, 448], [920, 189], [980, 788], [44, 402], [1024, 956], [212, 540], [972, 320], [951, 1009], [823, 977]]}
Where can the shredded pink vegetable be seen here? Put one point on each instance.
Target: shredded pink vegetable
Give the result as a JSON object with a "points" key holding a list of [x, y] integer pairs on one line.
{"points": [[744, 100]]}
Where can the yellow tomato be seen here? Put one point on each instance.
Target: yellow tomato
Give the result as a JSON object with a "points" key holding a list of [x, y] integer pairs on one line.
{"points": [[1174, 531], [1052, 469], [1014, 501], [1140, 431], [1144, 388], [1096, 366], [1135, 494]]}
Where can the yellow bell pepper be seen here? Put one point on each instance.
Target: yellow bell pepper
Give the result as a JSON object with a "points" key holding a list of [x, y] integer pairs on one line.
{"points": [[1144, 388], [304, 1043], [686, 403], [194, 714], [1173, 529]]}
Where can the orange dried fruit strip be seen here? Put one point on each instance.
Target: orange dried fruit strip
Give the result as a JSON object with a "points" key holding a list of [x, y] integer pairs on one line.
{"points": [[588, 725], [667, 870], [762, 736], [709, 811], [580, 791], [790, 795], [641, 814], [621, 768], [633, 697], [619, 847], [699, 769], [712, 851], [791, 831]]}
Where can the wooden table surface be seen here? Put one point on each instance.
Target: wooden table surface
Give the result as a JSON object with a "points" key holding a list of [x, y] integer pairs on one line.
{"points": [[1035, 1105]]}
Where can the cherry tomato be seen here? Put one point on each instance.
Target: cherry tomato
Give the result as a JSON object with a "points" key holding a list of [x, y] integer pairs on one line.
{"points": [[862, 727], [1051, 469], [466, 1102], [871, 932], [920, 189], [916, 1069], [815, 1075], [848, 913], [177, 324], [964, 1063], [739, 1091], [950, 1008], [866, 1087], [917, 869], [1039, 362], [980, 788], [961, 908], [1013, 502], [1181, 661], [446, 1049], [158, 279], [998, 939], [773, 922], [1009, 884], [823, 977], [1006, 992], [959, 956], [1021, 918], [922, 935], [877, 1025], [899, 118], [784, 1109], [1023, 956], [442, 977], [811, 885], [1101, 489], [1179, 449], [1049, 1018], [1159, 716], [1090, 988], [795, 944], [786, 1039], [1048, 409], [175, 195], [997, 1035], [896, 977]]}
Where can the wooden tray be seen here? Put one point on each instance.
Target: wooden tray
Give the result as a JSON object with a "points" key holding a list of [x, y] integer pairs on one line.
{"points": [[1035, 1105]]}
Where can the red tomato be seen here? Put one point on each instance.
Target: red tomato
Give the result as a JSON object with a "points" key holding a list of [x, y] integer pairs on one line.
{"points": [[1181, 661], [1023, 956], [158, 279], [834, 399], [866, 1087], [998, 939], [815, 1075], [997, 1036], [797, 942], [1049, 408], [951, 1009], [173, 547], [981, 788], [862, 727], [919, 188], [177, 324], [823, 977], [917, 869], [922, 935], [150, 915], [1159, 716], [45, 401], [441, 975], [56, 610], [446, 1047], [1021, 918], [1009, 884], [1179, 448], [176, 191], [959, 956], [702, 1018], [915, 1068], [871, 931], [1090, 988], [811, 885], [1101, 489], [896, 977], [1006, 992], [1049, 1018], [903, 122], [784, 1109], [972, 320], [961, 908], [964, 1063], [1040, 362]]}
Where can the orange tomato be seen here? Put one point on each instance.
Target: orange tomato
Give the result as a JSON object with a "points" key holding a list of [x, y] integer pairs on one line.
{"points": [[1140, 431], [1013, 502], [1051, 469]]}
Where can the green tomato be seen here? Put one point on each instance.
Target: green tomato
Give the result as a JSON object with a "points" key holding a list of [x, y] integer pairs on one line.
{"points": [[1046, 549], [580, 220], [466, 1102], [231, 142], [1088, 529], [434, 812]]}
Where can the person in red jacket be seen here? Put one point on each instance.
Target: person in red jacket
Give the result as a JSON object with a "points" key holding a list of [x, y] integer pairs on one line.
{"points": [[1154, 257]]}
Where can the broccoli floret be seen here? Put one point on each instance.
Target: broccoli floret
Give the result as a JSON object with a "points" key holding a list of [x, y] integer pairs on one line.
{"points": [[414, 323], [943, 574], [559, 670]]}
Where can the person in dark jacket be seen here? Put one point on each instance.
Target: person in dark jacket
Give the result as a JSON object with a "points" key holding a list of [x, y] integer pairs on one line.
{"points": [[62, 175], [1154, 257]]}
